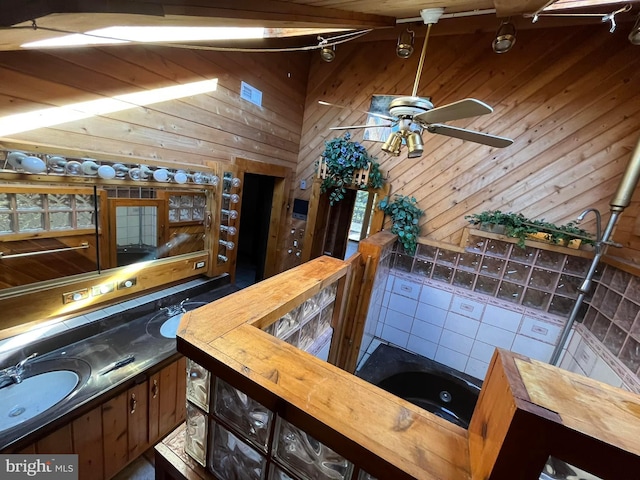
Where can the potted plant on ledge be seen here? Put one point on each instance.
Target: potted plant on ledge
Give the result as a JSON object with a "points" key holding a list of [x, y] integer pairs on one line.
{"points": [[346, 163], [406, 215]]}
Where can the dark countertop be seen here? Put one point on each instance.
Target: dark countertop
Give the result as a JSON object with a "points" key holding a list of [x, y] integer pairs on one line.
{"points": [[93, 349]]}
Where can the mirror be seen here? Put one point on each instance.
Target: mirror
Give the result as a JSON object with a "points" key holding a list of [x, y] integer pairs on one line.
{"points": [[52, 232]]}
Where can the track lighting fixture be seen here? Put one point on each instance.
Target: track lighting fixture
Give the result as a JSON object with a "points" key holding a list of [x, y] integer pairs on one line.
{"points": [[505, 37], [328, 53], [404, 48], [634, 35]]}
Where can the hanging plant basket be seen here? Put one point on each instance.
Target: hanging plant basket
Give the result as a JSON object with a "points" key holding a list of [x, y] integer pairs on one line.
{"points": [[360, 176]]}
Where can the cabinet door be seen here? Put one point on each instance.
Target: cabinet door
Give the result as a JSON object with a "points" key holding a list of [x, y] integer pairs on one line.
{"points": [[87, 441], [154, 407], [138, 423], [60, 441], [114, 427], [167, 403]]}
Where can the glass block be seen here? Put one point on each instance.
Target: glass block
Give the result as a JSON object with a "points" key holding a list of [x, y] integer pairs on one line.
{"points": [[195, 438], [174, 201], [328, 294], [324, 321], [598, 296], [293, 338], [552, 260], [576, 265], [310, 307], [60, 220], [614, 339], [173, 215], [426, 251], [306, 456], [497, 248], [633, 290], [287, 323], [59, 202], [469, 261], [308, 333], [610, 303], [5, 223], [29, 222], [446, 257], [198, 213], [492, 266], [198, 384], [568, 285], [276, 473], [590, 317], [402, 262], [84, 202], [366, 476], [199, 201], [185, 214], [543, 279], [186, 201], [626, 313], [630, 354], [5, 201], [251, 418], [523, 255], [600, 326], [517, 272], [561, 305], [84, 219], [510, 292], [620, 281], [442, 273], [607, 274], [463, 279], [635, 328], [536, 299], [422, 267], [476, 244], [232, 459], [29, 201], [486, 285]]}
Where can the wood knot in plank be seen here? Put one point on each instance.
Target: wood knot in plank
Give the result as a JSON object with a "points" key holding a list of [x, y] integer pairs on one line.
{"points": [[404, 420]]}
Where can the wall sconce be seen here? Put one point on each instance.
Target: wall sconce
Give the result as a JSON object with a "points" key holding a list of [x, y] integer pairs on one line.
{"points": [[27, 163], [233, 197], [414, 145], [232, 182], [227, 244], [505, 37], [404, 48], [393, 144], [232, 214], [634, 35]]}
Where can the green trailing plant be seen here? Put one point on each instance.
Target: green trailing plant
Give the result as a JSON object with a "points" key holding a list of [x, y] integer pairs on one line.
{"points": [[343, 157], [405, 214], [518, 226]]}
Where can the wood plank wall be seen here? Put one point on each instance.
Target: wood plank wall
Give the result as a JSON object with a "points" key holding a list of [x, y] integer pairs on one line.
{"points": [[212, 127], [569, 97]]}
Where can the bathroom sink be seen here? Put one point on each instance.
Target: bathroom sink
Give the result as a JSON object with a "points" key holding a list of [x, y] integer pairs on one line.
{"points": [[165, 323], [45, 385]]}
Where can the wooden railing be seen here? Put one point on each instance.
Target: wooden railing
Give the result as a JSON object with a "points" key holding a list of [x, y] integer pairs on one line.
{"points": [[527, 410]]}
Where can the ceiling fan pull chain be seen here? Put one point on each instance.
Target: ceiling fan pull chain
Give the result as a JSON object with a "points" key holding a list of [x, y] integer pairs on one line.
{"points": [[421, 62]]}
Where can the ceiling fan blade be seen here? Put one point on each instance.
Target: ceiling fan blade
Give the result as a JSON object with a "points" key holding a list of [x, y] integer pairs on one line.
{"points": [[385, 117], [470, 135], [468, 107], [362, 126]]}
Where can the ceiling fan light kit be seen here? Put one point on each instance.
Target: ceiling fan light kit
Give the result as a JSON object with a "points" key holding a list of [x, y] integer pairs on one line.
{"points": [[505, 37]]}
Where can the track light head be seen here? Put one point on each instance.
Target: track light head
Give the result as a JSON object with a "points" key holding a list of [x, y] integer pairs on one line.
{"points": [[328, 53], [404, 48], [634, 35], [505, 37]]}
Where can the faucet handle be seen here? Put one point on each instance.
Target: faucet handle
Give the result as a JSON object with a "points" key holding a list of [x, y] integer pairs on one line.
{"points": [[23, 362]]}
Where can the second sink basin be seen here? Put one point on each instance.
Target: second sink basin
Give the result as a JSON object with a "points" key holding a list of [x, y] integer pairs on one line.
{"points": [[165, 324]]}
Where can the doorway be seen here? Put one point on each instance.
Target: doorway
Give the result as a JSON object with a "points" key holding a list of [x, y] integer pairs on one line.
{"points": [[255, 221]]}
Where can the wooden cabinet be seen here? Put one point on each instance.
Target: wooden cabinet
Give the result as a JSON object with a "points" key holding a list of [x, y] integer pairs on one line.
{"points": [[119, 430]]}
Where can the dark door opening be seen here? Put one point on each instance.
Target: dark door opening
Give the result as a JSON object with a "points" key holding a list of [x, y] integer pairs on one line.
{"points": [[255, 217]]}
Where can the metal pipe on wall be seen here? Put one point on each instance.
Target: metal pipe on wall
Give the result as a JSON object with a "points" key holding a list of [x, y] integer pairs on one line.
{"points": [[618, 203]]}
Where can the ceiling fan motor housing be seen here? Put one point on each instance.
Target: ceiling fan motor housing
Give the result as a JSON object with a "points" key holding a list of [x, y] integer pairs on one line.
{"points": [[409, 106]]}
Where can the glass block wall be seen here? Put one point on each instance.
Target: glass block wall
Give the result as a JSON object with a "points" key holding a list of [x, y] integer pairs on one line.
{"points": [[534, 278], [235, 436]]}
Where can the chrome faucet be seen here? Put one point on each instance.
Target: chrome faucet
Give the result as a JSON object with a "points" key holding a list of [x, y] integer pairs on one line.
{"points": [[176, 309], [11, 375], [598, 223]]}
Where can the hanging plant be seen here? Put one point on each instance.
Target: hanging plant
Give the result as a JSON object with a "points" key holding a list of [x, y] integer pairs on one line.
{"points": [[343, 160], [406, 215]]}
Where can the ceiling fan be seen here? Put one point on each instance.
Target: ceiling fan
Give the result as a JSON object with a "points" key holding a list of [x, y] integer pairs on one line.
{"points": [[413, 115]]}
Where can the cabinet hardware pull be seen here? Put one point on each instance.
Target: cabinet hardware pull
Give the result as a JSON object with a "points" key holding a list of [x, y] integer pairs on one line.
{"points": [[155, 388], [133, 402]]}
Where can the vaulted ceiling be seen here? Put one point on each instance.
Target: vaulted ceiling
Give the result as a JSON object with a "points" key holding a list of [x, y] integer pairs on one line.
{"points": [[31, 20]]}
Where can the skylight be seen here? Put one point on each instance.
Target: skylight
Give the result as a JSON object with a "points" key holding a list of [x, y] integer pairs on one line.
{"points": [[122, 34]]}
